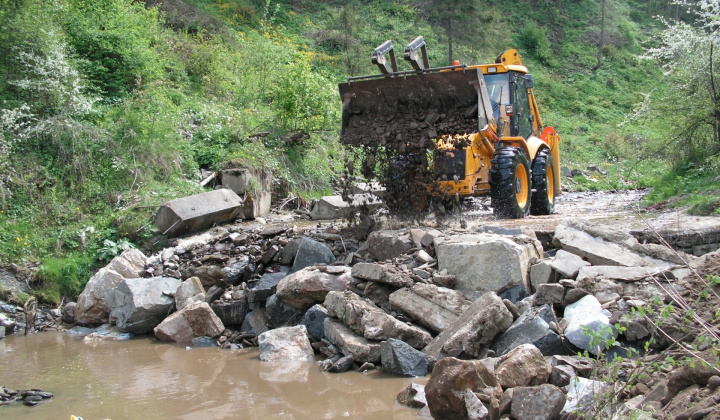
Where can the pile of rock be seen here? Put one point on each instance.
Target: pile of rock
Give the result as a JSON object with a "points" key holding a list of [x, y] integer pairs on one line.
{"points": [[493, 316], [29, 397]]}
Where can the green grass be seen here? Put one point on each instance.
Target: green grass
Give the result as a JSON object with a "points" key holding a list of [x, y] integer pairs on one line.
{"points": [[690, 186]]}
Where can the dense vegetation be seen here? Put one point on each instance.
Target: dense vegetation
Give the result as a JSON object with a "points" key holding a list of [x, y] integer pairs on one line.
{"points": [[110, 107]]}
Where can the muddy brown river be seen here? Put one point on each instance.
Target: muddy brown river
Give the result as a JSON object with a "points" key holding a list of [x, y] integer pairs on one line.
{"points": [[145, 379]]}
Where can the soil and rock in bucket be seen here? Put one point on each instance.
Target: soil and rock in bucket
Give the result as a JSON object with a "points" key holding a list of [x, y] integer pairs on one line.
{"points": [[581, 320]]}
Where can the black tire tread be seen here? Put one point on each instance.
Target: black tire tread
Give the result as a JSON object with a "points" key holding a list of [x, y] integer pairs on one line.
{"points": [[539, 202]]}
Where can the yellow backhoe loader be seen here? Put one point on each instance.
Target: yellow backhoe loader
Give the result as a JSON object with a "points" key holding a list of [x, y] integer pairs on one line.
{"points": [[452, 132]]}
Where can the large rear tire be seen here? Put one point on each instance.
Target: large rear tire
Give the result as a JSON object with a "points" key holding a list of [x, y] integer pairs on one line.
{"points": [[543, 184], [510, 183]]}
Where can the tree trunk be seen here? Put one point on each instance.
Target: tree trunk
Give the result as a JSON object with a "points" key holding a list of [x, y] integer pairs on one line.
{"points": [[601, 42]]}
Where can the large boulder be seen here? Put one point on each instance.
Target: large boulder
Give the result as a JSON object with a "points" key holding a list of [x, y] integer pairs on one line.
{"points": [[311, 252], [196, 319], [139, 305], [543, 402], [91, 308], [488, 263], [473, 331], [388, 244], [433, 307], [451, 378], [310, 285], [350, 344], [522, 366], [285, 344], [588, 325], [532, 327], [399, 358], [372, 322]]}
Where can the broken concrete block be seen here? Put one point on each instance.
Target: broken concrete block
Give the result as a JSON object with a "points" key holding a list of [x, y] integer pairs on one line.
{"points": [[350, 344], [256, 204], [615, 273], [567, 264], [433, 307], [197, 212], [334, 207], [487, 263], [474, 330]]}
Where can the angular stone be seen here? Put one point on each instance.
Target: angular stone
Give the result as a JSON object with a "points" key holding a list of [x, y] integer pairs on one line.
{"points": [[280, 313], [372, 322], [91, 308], [487, 263], [196, 319], [475, 408], [139, 305], [350, 344], [368, 271], [309, 286], [522, 366], [388, 244], [209, 275], [413, 396], [314, 321], [197, 212], [445, 391], [311, 252], [567, 264], [285, 344], [433, 307], [255, 322], [129, 264], [561, 375], [583, 395], [257, 204], [187, 292], [473, 331], [234, 270], [287, 255], [430, 237], [68, 314], [231, 312], [334, 207], [614, 273], [265, 287], [416, 236], [399, 358], [549, 293], [541, 273], [587, 313], [543, 402], [532, 327]]}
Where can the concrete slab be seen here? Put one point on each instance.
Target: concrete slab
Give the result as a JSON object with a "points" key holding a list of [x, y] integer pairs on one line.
{"points": [[197, 212]]}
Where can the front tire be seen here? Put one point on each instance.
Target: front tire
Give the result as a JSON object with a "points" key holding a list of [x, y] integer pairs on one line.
{"points": [[510, 183], [543, 184]]}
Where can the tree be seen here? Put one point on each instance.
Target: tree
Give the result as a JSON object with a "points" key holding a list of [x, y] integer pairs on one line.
{"points": [[460, 20], [689, 53]]}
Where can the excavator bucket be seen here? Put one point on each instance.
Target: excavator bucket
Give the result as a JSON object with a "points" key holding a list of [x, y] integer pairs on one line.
{"points": [[410, 108]]}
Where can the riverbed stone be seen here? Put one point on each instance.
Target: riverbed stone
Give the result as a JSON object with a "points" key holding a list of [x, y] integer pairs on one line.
{"points": [[532, 327], [334, 207], [413, 396], [196, 319], [615, 273], [351, 344], [371, 322], [231, 312], [549, 293], [433, 307], [285, 344], [451, 377], [474, 330], [587, 315], [255, 322], [543, 402], [567, 264], [487, 263], [309, 286], [541, 273], [265, 287], [189, 291], [583, 395], [139, 305], [311, 252], [399, 358], [280, 313], [522, 366], [209, 275], [388, 244], [91, 308], [314, 321], [234, 270], [129, 264], [368, 271], [68, 313]]}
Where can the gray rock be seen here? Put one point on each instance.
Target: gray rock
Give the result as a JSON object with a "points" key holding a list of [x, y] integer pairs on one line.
{"points": [[573, 295], [342, 365], [413, 396], [196, 319], [265, 287], [368, 271], [433, 307], [614, 273], [234, 270], [487, 263], [350, 344], [139, 305], [231, 312], [68, 313], [549, 293], [190, 290], [280, 313], [541, 273], [311, 252], [476, 410], [567, 264], [587, 314], [388, 244], [474, 330], [314, 321], [91, 308], [255, 322], [522, 366], [543, 402], [398, 358], [430, 237], [285, 344], [532, 327], [309, 286], [372, 322], [287, 255], [334, 207], [583, 395], [514, 294], [561, 375]]}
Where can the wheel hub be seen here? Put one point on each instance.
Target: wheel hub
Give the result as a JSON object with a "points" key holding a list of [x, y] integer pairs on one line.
{"points": [[518, 185]]}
